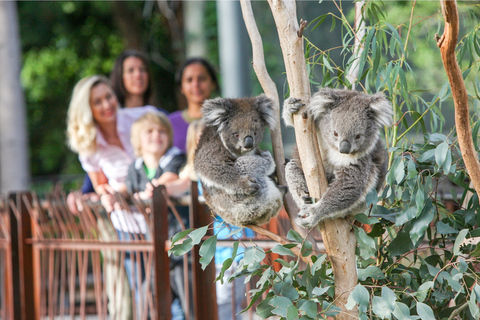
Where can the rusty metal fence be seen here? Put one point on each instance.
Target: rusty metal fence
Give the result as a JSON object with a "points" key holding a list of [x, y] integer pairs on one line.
{"points": [[55, 264], [59, 265]]}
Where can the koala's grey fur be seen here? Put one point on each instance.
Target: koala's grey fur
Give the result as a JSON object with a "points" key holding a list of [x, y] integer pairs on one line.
{"points": [[353, 154], [234, 173]]}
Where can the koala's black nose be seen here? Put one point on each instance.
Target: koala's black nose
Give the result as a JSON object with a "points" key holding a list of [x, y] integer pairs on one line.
{"points": [[345, 146], [248, 142]]}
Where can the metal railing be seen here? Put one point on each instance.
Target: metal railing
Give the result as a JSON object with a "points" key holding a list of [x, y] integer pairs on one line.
{"points": [[55, 264]]}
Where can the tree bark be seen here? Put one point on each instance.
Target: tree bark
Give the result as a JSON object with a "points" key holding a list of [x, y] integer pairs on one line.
{"points": [[358, 47], [447, 45], [14, 168], [338, 236], [194, 28]]}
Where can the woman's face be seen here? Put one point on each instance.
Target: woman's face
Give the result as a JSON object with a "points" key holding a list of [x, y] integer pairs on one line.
{"points": [[135, 76], [153, 139], [103, 104], [197, 85]]}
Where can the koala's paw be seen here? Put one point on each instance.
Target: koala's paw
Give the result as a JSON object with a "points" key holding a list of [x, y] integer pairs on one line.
{"points": [[307, 217], [290, 107], [249, 185], [292, 168]]}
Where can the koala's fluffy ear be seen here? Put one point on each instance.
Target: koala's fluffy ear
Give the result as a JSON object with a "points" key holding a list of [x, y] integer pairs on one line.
{"points": [[321, 102], [265, 108], [382, 108], [215, 111]]}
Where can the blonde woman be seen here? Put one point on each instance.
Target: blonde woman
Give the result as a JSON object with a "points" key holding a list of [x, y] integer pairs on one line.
{"points": [[100, 133]]}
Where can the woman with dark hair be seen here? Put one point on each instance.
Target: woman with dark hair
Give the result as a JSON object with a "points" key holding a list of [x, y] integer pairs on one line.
{"points": [[132, 79], [197, 80]]}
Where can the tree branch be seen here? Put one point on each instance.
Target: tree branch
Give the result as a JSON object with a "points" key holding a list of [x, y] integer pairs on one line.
{"points": [[339, 240], [447, 44], [270, 90]]}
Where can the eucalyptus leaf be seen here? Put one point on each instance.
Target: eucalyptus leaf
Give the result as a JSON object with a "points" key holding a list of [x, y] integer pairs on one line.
{"points": [[280, 305], [182, 248], [310, 309], [198, 234], [423, 290], [319, 291], [370, 272], [425, 312], [441, 153], [380, 309], [207, 251], [458, 241], [281, 250], [443, 228]]}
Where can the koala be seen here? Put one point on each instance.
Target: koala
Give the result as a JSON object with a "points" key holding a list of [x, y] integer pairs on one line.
{"points": [[234, 173], [353, 154]]}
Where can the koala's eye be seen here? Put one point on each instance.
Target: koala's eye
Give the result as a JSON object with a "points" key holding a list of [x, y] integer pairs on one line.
{"points": [[255, 133], [357, 136], [335, 133], [236, 135]]}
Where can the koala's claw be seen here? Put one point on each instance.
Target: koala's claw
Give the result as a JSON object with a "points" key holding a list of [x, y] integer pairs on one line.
{"points": [[306, 217], [307, 199], [293, 105]]}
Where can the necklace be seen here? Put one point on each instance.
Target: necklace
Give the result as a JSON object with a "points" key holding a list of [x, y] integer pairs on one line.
{"points": [[186, 117]]}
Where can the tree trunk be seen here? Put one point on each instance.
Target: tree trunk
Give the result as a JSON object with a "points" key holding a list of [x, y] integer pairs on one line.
{"points": [[128, 22], [194, 28], [447, 44], [358, 47], [233, 50], [14, 168], [338, 236]]}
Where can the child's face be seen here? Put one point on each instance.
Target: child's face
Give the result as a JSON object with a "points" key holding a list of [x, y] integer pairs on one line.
{"points": [[153, 139]]}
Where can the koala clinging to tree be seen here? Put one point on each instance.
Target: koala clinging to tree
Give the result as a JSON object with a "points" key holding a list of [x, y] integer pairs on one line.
{"points": [[353, 154], [234, 173]]}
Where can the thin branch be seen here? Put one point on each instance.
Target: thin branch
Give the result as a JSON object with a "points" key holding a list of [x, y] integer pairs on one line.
{"points": [[447, 44]]}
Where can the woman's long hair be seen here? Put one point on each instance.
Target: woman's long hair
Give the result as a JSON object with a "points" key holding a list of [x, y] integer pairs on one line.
{"points": [[81, 129]]}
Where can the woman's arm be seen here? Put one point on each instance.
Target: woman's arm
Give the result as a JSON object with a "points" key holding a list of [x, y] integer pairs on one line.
{"points": [[103, 189]]}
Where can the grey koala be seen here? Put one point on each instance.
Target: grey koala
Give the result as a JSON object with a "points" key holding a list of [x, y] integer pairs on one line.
{"points": [[353, 154], [234, 173]]}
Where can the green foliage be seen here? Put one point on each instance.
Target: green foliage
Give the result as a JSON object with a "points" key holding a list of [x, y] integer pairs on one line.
{"points": [[417, 252]]}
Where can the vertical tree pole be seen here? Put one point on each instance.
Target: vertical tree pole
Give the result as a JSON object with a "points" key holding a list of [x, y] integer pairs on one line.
{"points": [[447, 44], [14, 169], [338, 236]]}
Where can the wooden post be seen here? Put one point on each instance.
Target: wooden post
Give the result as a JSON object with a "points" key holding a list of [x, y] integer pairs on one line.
{"points": [[204, 291], [163, 295], [22, 258]]}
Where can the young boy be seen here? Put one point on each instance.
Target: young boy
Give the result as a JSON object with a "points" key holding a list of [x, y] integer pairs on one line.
{"points": [[158, 162]]}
